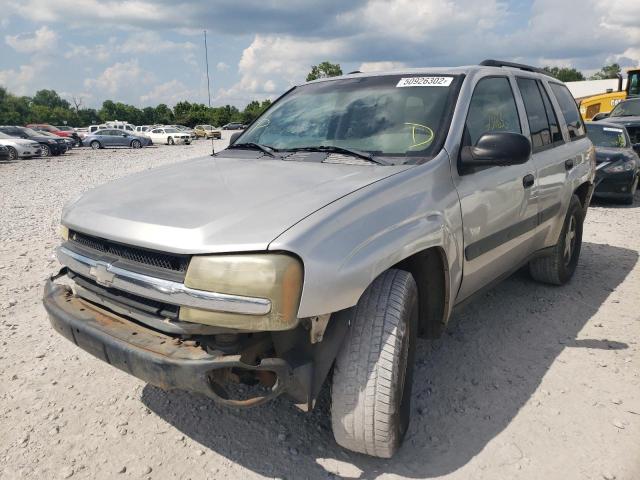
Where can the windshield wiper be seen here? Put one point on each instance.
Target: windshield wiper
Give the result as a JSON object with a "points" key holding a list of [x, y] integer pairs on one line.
{"points": [[335, 149], [255, 146]]}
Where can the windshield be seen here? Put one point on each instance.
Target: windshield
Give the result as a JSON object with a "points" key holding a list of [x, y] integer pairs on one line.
{"points": [[604, 136], [391, 115], [32, 133], [4, 135], [207, 127], [626, 109], [171, 130]]}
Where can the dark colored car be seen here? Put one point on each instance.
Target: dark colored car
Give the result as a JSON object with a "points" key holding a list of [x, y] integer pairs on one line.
{"points": [[234, 126], [49, 145], [627, 113], [112, 137], [4, 153], [65, 132], [618, 165]]}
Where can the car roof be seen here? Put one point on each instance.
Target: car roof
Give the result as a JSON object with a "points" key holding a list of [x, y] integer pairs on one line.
{"points": [[607, 124]]}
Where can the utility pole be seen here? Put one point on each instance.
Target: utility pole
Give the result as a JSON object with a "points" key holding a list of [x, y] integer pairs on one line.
{"points": [[206, 57]]}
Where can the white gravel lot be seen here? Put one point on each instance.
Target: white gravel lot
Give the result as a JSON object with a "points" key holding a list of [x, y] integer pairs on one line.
{"points": [[529, 382]]}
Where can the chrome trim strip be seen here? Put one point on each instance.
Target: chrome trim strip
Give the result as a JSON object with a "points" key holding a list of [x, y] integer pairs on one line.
{"points": [[159, 289]]}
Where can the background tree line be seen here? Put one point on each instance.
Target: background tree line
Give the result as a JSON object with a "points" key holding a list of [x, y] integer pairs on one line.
{"points": [[46, 106], [568, 74]]}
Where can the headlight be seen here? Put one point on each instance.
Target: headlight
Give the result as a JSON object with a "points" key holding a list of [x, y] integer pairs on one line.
{"points": [[64, 233], [275, 277], [621, 167]]}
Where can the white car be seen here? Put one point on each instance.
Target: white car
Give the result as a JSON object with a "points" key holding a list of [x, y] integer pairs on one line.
{"points": [[20, 147], [168, 135]]}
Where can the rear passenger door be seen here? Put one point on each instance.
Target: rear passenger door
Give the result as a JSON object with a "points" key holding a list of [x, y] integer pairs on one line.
{"points": [[499, 208], [551, 160]]}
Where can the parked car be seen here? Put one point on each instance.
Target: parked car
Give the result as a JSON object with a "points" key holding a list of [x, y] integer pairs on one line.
{"points": [[142, 129], [69, 142], [185, 129], [118, 125], [4, 153], [207, 131], [327, 238], [618, 165], [627, 114], [234, 126], [49, 145], [68, 132], [19, 147], [169, 135], [112, 137]]}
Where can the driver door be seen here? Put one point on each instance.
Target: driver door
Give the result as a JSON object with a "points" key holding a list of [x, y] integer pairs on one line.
{"points": [[499, 204]]}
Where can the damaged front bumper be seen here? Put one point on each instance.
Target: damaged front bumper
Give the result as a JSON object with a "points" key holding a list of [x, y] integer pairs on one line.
{"points": [[157, 358]]}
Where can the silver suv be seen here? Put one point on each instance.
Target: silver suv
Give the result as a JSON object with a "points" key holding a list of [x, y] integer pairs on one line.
{"points": [[349, 219]]}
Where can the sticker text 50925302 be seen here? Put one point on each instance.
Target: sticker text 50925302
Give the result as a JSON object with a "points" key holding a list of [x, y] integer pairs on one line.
{"points": [[425, 82]]}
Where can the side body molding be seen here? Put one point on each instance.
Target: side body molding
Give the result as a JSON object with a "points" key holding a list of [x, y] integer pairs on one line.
{"points": [[347, 244]]}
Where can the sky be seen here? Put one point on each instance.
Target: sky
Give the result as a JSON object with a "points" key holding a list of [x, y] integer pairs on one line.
{"points": [[147, 52]]}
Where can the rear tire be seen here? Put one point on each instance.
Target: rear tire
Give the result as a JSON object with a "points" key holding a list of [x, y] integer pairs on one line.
{"points": [[13, 153], [95, 145], [371, 389], [558, 267]]}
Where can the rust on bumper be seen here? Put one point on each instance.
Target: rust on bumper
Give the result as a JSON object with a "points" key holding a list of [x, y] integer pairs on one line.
{"points": [[151, 356]]}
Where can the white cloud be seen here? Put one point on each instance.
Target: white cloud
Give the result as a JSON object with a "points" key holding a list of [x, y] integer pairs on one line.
{"points": [[381, 66], [42, 40], [222, 67], [152, 43], [120, 78], [20, 81], [170, 93]]}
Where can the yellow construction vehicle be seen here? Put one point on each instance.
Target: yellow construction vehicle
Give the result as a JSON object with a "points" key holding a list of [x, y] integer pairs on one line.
{"points": [[604, 102]]}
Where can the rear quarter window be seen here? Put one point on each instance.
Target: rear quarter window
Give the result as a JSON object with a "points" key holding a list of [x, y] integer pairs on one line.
{"points": [[569, 110]]}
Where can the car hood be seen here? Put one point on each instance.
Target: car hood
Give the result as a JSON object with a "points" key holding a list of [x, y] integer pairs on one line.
{"points": [[219, 204], [632, 120], [610, 154], [17, 141]]}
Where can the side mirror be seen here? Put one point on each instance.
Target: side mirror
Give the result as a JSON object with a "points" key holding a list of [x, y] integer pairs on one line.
{"points": [[599, 116], [496, 149], [125, 134], [234, 137]]}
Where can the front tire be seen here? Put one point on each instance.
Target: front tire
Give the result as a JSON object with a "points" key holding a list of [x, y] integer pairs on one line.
{"points": [[13, 153], [558, 267], [45, 151], [170, 141], [371, 389], [628, 200]]}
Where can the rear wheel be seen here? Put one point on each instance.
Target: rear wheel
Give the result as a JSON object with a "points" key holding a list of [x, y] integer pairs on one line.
{"points": [[558, 267], [170, 141], [136, 144], [371, 388], [45, 151], [13, 153], [95, 145]]}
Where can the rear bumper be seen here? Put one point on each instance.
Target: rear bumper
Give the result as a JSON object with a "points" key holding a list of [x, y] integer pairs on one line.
{"points": [[151, 356]]}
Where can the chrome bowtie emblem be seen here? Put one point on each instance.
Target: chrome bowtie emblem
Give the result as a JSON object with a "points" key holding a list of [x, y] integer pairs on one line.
{"points": [[102, 274]]}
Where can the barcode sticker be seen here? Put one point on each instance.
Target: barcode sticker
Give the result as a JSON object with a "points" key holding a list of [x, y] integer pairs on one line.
{"points": [[425, 82]]}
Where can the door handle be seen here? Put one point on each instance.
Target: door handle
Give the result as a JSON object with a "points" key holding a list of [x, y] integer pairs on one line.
{"points": [[528, 180], [568, 165]]}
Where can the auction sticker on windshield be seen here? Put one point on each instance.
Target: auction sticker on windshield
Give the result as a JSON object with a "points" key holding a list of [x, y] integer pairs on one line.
{"points": [[425, 82]]}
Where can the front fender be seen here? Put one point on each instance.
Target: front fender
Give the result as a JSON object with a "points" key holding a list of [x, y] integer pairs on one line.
{"points": [[347, 244]]}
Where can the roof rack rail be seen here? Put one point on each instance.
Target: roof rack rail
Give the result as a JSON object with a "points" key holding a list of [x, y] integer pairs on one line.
{"points": [[521, 66], [354, 72]]}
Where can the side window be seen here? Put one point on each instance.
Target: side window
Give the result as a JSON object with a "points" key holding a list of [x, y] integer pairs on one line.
{"points": [[552, 118], [569, 111], [536, 113], [492, 109]]}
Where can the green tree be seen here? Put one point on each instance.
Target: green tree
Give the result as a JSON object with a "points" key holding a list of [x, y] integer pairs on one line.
{"points": [[50, 99], [565, 74], [324, 70], [608, 71]]}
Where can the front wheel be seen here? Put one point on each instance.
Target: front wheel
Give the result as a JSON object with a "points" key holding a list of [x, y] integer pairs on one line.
{"points": [[629, 198], [371, 388], [13, 153], [45, 151], [558, 267], [170, 141]]}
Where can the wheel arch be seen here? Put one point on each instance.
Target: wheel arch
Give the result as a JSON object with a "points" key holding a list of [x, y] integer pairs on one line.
{"points": [[583, 191], [430, 271]]}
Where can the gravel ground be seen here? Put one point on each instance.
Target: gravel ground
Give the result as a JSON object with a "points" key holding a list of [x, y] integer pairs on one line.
{"points": [[529, 382]]}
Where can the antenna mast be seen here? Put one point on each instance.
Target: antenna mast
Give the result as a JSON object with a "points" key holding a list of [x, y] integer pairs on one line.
{"points": [[206, 57]]}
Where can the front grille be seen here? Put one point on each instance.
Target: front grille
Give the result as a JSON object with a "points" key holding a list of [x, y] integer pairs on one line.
{"points": [[176, 263]]}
